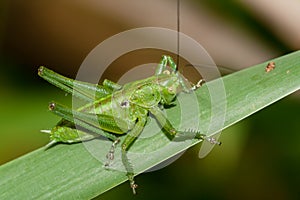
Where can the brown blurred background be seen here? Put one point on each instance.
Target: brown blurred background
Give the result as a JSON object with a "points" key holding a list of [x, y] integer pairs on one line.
{"points": [[260, 157]]}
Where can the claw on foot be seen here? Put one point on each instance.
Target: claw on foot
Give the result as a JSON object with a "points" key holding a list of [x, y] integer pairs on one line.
{"points": [[133, 187], [213, 140]]}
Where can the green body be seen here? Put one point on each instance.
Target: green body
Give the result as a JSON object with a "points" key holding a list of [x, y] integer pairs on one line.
{"points": [[119, 109], [131, 102]]}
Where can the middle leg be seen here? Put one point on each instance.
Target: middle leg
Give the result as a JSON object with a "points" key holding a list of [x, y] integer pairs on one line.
{"points": [[168, 127]]}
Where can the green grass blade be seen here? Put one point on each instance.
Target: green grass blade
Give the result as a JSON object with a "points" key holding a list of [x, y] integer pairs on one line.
{"points": [[70, 171]]}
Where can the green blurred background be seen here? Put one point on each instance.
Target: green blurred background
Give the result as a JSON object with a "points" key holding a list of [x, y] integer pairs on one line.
{"points": [[260, 156]]}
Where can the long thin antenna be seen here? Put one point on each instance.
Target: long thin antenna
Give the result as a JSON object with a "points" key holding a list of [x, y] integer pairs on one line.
{"points": [[178, 32]]}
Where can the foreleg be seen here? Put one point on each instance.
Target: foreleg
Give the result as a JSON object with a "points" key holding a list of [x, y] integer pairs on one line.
{"points": [[164, 62], [162, 65]]}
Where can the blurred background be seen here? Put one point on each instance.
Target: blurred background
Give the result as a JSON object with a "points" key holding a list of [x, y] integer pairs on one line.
{"points": [[260, 156]]}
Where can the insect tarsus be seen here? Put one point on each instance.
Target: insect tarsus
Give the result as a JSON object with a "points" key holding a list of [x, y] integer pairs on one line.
{"points": [[110, 155]]}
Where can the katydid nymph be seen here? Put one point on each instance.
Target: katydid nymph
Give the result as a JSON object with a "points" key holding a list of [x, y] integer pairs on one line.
{"points": [[119, 109]]}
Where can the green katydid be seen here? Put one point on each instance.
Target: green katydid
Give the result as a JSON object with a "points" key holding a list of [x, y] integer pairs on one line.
{"points": [[119, 109]]}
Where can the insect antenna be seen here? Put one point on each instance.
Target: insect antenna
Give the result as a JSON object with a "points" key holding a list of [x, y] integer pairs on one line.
{"points": [[201, 73], [178, 33], [223, 70]]}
